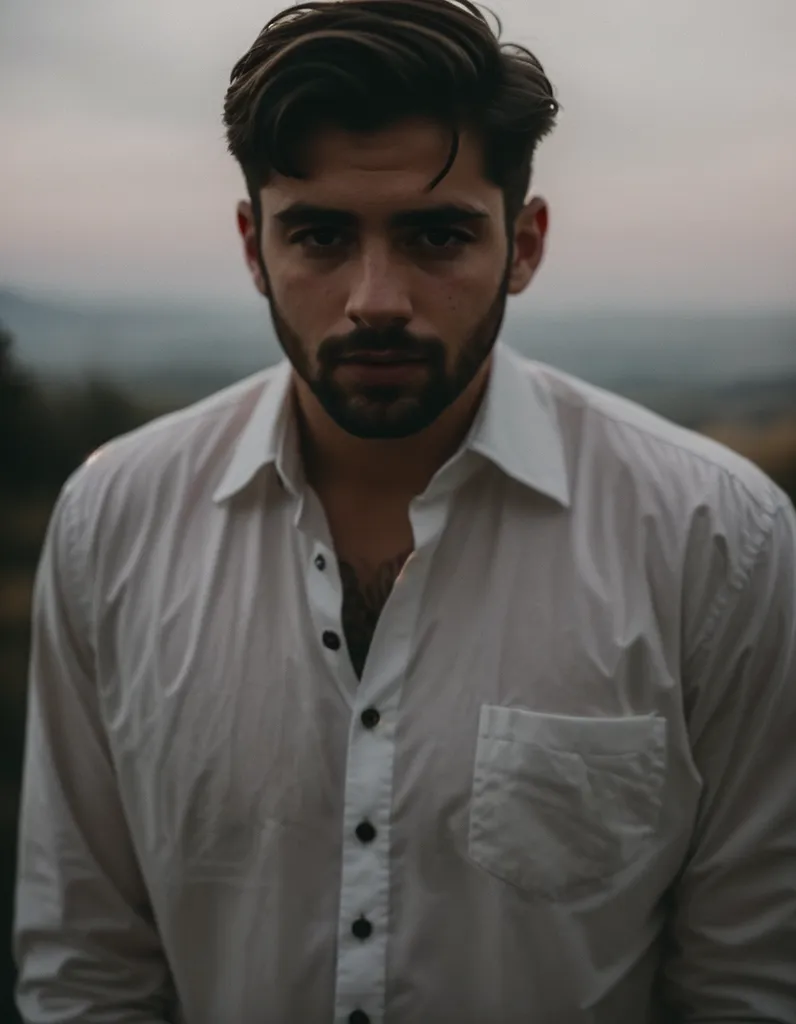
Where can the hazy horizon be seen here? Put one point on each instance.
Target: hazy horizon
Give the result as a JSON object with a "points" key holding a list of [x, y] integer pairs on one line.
{"points": [[671, 176], [249, 304], [698, 349]]}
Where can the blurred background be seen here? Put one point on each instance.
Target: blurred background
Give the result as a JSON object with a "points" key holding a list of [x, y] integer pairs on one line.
{"points": [[670, 276]]}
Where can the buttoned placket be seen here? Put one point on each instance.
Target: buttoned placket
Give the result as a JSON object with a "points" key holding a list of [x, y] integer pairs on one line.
{"points": [[374, 701]]}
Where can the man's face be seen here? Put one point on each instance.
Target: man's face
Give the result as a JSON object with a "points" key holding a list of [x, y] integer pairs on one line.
{"points": [[388, 298]]}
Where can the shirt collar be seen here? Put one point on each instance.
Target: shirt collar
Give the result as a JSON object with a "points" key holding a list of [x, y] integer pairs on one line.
{"points": [[517, 426], [516, 429], [263, 439]]}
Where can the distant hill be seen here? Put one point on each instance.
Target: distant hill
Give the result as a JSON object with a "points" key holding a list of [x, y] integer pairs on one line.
{"points": [[681, 363], [56, 337]]}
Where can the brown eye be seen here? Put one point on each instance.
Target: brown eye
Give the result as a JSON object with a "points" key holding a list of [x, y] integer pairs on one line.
{"points": [[441, 237], [442, 240], [319, 238]]}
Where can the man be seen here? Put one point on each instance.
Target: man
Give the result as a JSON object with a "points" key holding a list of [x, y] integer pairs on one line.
{"points": [[408, 681]]}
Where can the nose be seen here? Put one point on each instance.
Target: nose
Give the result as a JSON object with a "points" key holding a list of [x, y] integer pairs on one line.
{"points": [[379, 296]]}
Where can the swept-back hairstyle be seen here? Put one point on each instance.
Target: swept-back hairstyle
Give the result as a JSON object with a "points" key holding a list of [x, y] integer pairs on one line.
{"points": [[364, 65]]}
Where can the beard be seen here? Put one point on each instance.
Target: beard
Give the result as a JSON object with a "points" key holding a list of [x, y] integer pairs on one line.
{"points": [[388, 411]]}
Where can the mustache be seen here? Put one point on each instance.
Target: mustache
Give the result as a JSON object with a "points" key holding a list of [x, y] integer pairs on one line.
{"points": [[371, 339]]}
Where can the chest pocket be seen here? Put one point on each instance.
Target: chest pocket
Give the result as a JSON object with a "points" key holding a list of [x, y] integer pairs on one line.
{"points": [[562, 805]]}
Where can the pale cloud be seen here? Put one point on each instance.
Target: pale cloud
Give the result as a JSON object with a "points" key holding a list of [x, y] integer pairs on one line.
{"points": [[672, 175]]}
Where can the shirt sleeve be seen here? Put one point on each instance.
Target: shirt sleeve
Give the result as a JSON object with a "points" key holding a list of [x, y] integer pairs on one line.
{"points": [[85, 943], [730, 953]]}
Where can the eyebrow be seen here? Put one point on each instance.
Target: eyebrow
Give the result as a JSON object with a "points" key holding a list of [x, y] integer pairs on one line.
{"points": [[300, 213]]}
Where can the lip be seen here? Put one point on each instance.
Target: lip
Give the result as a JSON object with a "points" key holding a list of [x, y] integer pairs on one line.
{"points": [[375, 372], [390, 357]]}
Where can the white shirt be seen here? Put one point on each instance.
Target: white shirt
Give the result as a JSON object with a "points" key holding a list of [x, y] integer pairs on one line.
{"points": [[574, 738]]}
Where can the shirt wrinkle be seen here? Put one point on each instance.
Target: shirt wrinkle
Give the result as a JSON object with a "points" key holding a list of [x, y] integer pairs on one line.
{"points": [[751, 552], [665, 434], [511, 816]]}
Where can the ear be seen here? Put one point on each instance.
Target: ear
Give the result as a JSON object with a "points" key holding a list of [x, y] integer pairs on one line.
{"points": [[530, 232], [252, 251]]}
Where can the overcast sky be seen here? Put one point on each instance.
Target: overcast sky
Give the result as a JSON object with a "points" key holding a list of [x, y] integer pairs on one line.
{"points": [[671, 176]]}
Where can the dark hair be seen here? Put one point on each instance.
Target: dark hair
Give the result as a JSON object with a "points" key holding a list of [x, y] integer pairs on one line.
{"points": [[366, 64]]}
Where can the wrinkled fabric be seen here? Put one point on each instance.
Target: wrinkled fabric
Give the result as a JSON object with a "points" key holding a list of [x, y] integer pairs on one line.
{"points": [[582, 780]]}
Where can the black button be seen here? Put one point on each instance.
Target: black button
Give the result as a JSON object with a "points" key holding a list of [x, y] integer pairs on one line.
{"points": [[358, 1017], [362, 928], [370, 718], [365, 832], [331, 640], [320, 563]]}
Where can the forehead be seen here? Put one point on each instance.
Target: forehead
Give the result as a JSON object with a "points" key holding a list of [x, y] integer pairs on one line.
{"points": [[387, 169]]}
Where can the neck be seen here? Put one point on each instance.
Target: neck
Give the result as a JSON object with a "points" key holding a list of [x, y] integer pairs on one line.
{"points": [[386, 469]]}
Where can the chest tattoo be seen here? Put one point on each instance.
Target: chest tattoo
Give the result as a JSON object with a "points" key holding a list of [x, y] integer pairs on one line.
{"points": [[364, 597]]}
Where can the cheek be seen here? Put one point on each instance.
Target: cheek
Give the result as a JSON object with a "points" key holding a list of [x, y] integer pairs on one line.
{"points": [[469, 288], [483, 268], [292, 285], [303, 299]]}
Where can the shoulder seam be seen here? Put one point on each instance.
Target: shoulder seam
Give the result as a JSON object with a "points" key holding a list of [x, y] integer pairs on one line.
{"points": [[766, 508], [186, 415]]}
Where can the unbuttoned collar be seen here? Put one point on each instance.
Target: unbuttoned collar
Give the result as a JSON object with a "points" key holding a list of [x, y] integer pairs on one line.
{"points": [[516, 428], [268, 438]]}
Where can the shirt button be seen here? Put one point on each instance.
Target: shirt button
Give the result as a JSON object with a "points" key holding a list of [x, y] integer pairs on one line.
{"points": [[365, 832], [331, 640], [358, 1017], [370, 718], [320, 563], [362, 928]]}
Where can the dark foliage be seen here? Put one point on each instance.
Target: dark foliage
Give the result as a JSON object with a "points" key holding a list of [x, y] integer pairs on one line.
{"points": [[44, 436]]}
